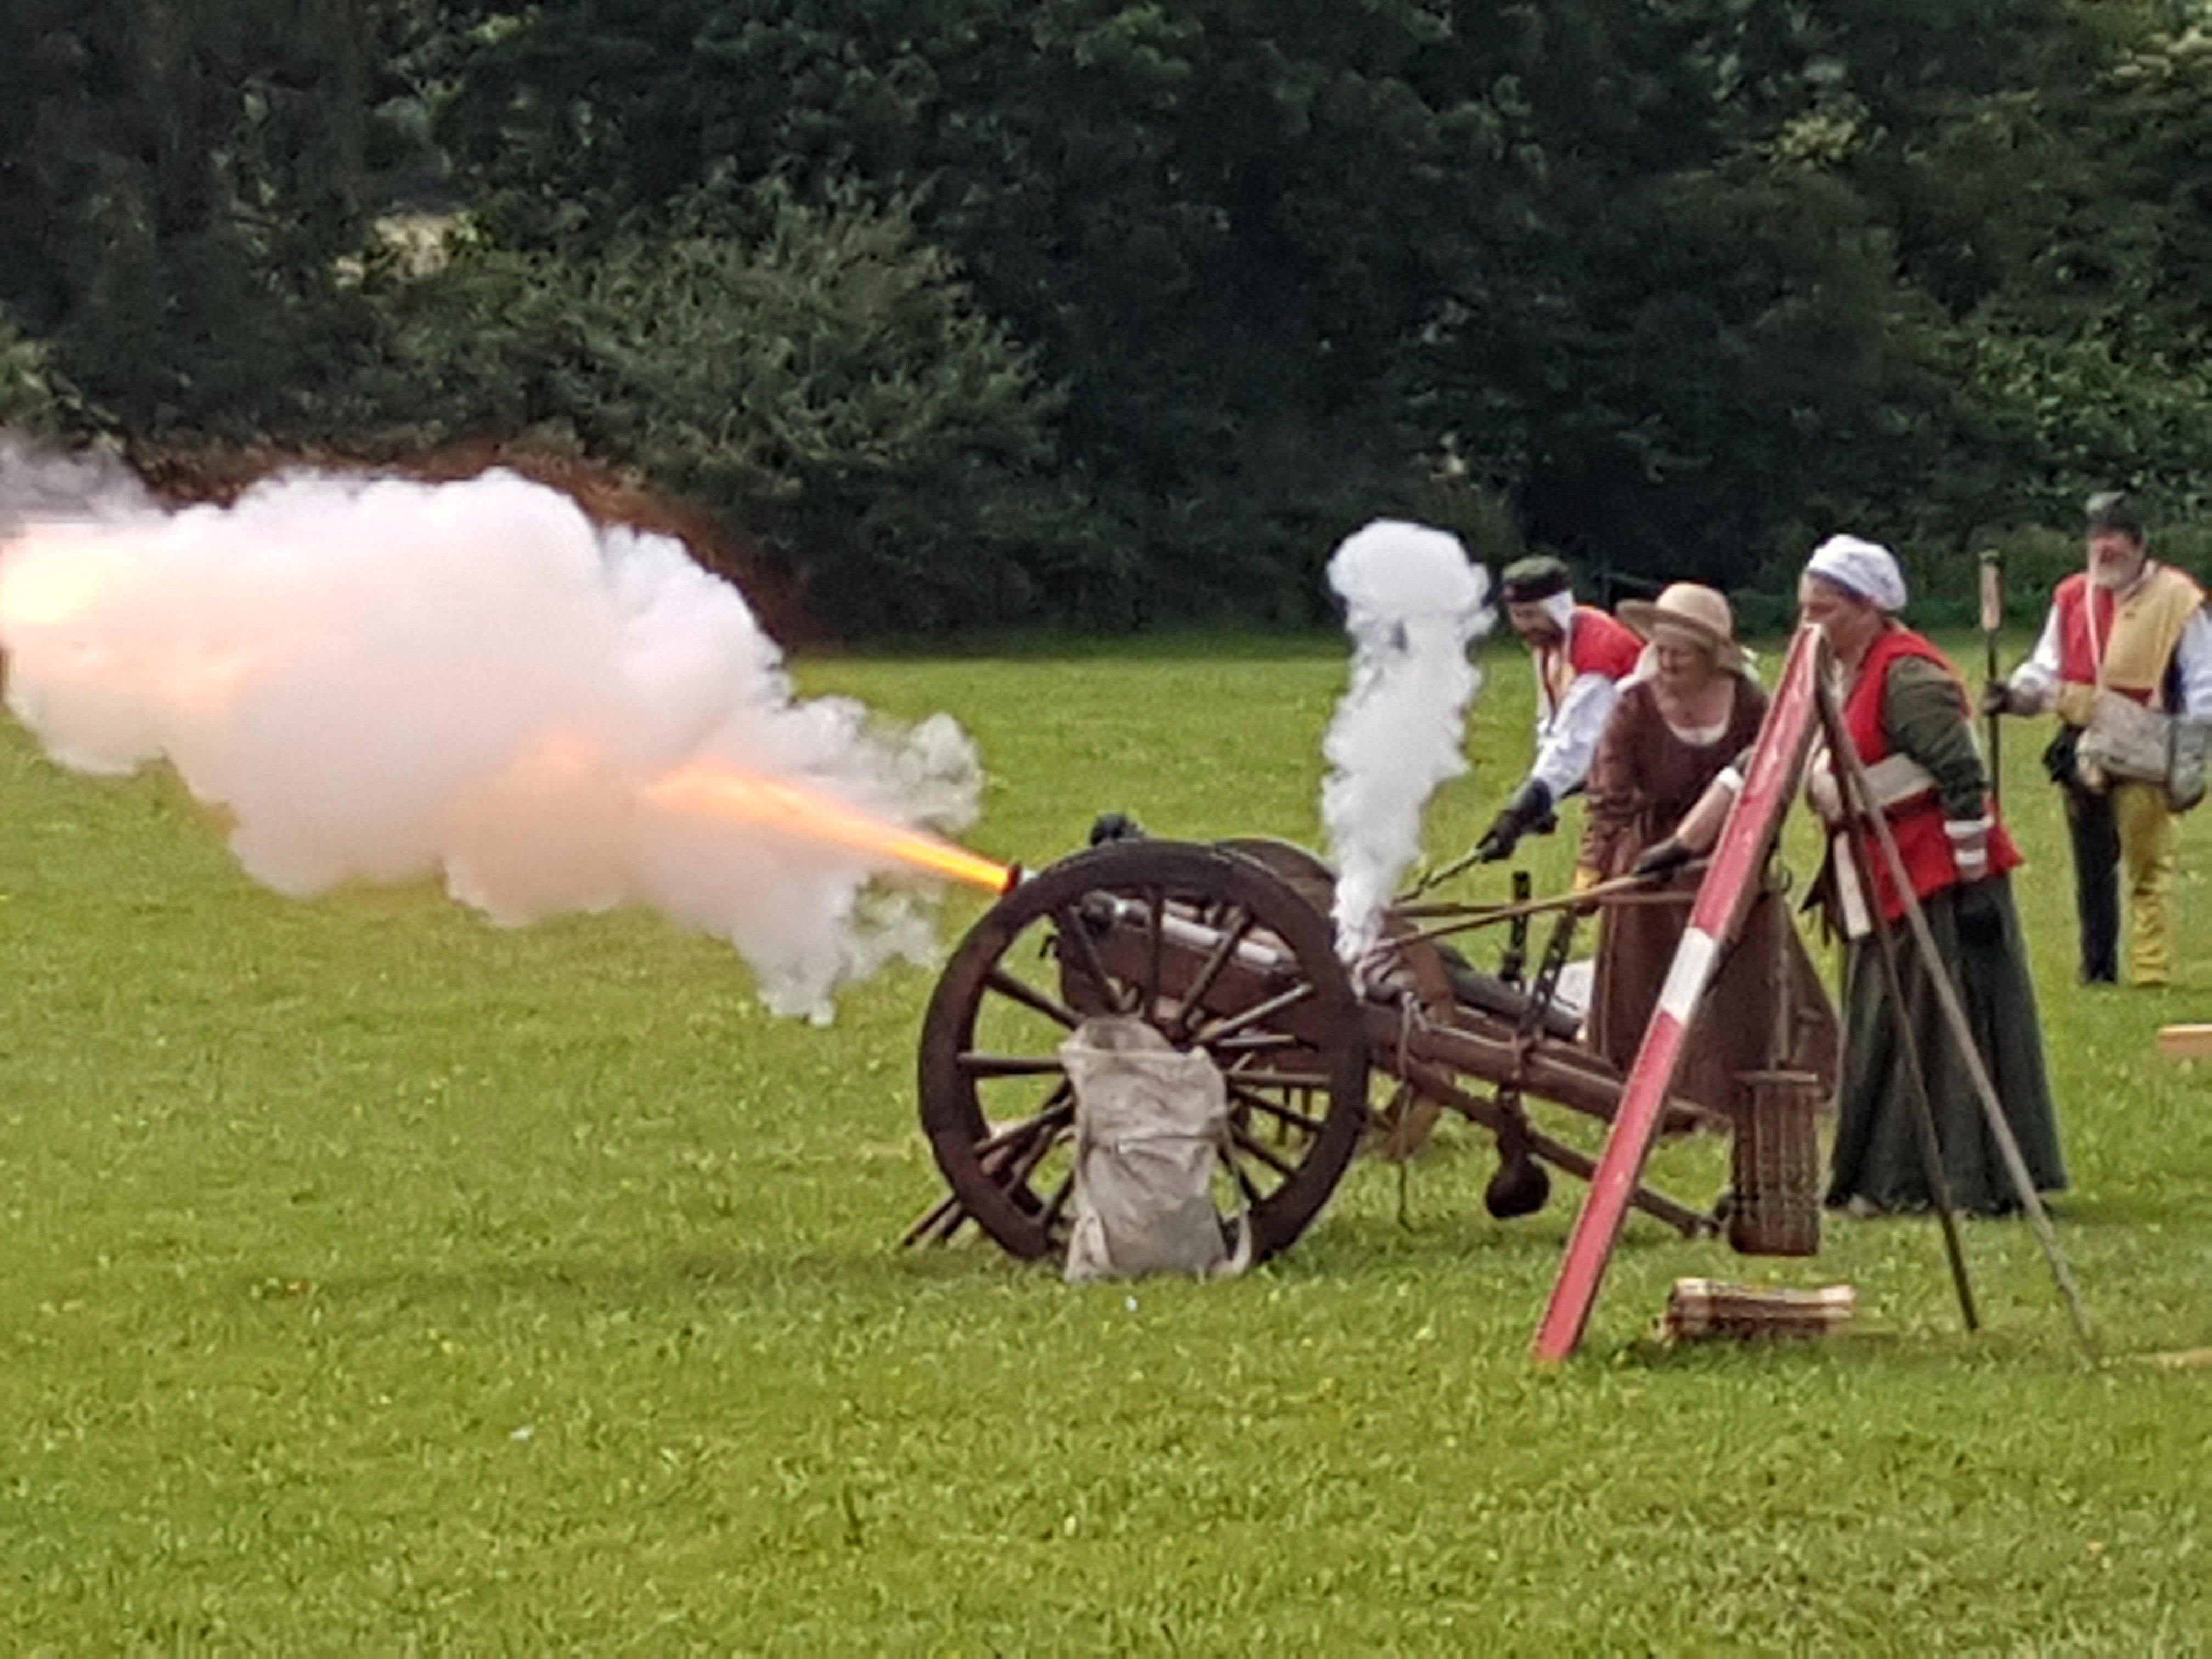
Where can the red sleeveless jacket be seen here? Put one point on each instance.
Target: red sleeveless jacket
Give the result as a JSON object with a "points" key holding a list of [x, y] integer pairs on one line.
{"points": [[1917, 821], [1602, 644]]}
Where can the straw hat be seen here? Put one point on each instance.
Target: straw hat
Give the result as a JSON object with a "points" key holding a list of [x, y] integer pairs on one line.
{"points": [[1693, 611]]}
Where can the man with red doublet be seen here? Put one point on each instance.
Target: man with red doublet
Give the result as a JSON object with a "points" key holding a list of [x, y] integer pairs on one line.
{"points": [[2126, 630], [1581, 656], [1910, 718]]}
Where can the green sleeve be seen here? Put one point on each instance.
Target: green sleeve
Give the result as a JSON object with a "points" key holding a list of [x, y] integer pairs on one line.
{"points": [[1925, 715]]}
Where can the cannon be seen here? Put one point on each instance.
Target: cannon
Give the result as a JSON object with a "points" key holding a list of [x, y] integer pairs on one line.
{"points": [[1228, 948]]}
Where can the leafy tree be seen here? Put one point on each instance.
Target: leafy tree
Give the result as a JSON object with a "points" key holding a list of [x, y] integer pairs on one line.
{"points": [[176, 180], [1688, 282], [31, 401], [827, 384]]}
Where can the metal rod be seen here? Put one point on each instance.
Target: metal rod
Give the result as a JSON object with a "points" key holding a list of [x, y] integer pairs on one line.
{"points": [[1482, 914], [1516, 933], [1445, 872], [1197, 935]]}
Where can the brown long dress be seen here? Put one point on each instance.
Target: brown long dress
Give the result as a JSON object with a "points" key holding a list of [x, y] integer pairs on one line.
{"points": [[1646, 777]]}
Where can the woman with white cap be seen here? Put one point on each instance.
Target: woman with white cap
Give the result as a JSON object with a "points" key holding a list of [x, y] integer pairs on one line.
{"points": [[1685, 716], [1909, 716]]}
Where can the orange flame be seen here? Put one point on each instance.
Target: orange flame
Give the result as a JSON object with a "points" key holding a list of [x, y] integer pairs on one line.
{"points": [[724, 792]]}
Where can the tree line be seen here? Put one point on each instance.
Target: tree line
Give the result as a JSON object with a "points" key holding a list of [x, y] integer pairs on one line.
{"points": [[1076, 312]]}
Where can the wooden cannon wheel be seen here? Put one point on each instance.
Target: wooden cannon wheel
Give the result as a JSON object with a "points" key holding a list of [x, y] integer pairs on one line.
{"points": [[1206, 946]]}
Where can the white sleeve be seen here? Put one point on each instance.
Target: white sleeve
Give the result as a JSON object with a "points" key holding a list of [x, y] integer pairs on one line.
{"points": [[2035, 682], [1568, 742], [2194, 658]]}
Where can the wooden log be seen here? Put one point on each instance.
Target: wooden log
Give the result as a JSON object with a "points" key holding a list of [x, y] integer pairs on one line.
{"points": [[2185, 1041]]}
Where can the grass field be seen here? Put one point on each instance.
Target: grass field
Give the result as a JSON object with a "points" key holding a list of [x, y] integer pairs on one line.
{"points": [[382, 1281]]}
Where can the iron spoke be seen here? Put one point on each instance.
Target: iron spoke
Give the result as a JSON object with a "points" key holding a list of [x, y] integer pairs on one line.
{"points": [[1278, 1079], [1055, 1112], [1256, 1043], [1246, 1143], [984, 1066], [1050, 1215], [1257, 1012], [1156, 904], [1030, 997], [1276, 1109], [1072, 927], [1210, 969]]}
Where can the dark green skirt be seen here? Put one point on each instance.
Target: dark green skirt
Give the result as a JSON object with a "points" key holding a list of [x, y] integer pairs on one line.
{"points": [[1878, 1157]]}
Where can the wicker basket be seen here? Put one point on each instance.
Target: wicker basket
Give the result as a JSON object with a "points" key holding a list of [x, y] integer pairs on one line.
{"points": [[1774, 1207]]}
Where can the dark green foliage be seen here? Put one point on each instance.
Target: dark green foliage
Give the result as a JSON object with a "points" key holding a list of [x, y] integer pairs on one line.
{"points": [[176, 181], [826, 384], [1081, 311], [31, 400]]}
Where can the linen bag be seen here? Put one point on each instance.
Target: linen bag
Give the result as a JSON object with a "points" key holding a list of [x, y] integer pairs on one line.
{"points": [[1152, 1123]]}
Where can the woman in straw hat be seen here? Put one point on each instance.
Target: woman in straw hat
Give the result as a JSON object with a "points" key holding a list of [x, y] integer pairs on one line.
{"points": [[1686, 716]]}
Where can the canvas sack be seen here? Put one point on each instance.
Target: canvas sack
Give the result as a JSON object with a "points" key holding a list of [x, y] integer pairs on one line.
{"points": [[1150, 1124], [2184, 779], [2124, 739]]}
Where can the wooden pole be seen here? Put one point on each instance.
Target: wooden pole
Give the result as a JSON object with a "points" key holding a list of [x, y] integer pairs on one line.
{"points": [[1861, 808], [1993, 625], [1954, 1015], [1731, 879]]}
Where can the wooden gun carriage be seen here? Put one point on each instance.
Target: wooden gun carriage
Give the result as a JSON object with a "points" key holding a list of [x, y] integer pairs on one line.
{"points": [[1229, 949]]}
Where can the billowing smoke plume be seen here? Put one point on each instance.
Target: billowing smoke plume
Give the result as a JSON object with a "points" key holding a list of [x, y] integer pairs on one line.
{"points": [[384, 680], [1413, 604]]}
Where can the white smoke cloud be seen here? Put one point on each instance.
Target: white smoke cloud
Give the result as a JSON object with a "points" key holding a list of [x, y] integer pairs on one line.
{"points": [[383, 680], [1413, 604]]}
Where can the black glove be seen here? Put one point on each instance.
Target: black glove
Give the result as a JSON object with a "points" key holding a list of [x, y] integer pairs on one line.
{"points": [[2059, 757], [1660, 859], [1528, 811], [1979, 916], [1996, 698]]}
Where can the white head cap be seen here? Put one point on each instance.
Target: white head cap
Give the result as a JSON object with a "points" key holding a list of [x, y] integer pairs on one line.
{"points": [[1867, 569]]}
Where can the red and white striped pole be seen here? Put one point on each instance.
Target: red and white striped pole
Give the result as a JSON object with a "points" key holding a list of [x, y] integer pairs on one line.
{"points": [[1732, 877]]}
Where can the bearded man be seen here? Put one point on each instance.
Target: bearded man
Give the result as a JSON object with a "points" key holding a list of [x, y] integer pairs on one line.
{"points": [[2124, 635], [1581, 655]]}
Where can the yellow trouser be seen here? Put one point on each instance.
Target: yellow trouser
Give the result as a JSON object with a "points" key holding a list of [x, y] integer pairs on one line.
{"points": [[2147, 837]]}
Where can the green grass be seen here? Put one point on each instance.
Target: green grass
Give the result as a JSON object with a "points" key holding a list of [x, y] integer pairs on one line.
{"points": [[380, 1280]]}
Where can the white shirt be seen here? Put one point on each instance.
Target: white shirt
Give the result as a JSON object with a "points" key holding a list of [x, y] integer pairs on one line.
{"points": [[1567, 735]]}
